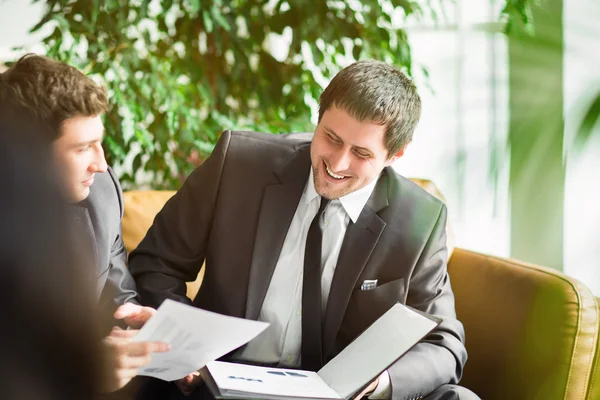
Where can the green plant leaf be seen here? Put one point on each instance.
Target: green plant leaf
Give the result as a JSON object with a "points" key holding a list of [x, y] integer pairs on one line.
{"points": [[590, 120], [172, 69]]}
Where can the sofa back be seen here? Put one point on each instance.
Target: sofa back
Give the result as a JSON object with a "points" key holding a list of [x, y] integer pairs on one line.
{"points": [[141, 206]]}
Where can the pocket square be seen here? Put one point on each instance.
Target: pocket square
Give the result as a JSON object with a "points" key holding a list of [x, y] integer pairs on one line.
{"points": [[369, 284]]}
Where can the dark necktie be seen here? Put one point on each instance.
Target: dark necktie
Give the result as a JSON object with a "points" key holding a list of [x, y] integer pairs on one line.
{"points": [[312, 357]]}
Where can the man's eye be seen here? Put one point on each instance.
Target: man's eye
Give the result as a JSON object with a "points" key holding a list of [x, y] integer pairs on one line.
{"points": [[84, 149], [362, 155], [333, 138]]}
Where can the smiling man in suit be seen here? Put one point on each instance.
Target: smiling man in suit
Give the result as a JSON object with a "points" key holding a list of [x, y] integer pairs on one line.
{"points": [[56, 99], [298, 229]]}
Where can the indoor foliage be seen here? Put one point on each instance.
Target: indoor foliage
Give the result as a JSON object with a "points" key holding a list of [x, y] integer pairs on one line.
{"points": [[179, 72]]}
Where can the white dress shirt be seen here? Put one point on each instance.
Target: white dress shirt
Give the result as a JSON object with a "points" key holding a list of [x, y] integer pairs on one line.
{"points": [[280, 343]]}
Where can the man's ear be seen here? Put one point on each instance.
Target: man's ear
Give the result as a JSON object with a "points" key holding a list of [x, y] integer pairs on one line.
{"points": [[396, 156]]}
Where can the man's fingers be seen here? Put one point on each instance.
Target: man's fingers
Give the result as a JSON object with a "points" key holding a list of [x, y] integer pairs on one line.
{"points": [[134, 315], [189, 383], [144, 348], [184, 387], [126, 357], [122, 333], [191, 377], [123, 346], [126, 310], [120, 377], [126, 373], [123, 376], [132, 362], [362, 394], [372, 386]]}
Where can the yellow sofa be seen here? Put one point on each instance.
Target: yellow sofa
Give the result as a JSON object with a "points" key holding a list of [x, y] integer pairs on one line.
{"points": [[532, 332]]}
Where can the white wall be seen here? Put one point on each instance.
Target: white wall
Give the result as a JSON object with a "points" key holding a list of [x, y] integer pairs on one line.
{"points": [[464, 124], [581, 83]]}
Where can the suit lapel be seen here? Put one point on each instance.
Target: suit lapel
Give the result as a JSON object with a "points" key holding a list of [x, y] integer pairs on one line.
{"points": [[359, 242], [277, 210], [85, 228]]}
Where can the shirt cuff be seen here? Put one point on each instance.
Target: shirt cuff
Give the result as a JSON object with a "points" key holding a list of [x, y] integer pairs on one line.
{"points": [[383, 391]]}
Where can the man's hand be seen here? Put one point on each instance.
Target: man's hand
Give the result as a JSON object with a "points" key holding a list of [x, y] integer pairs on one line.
{"points": [[135, 316], [368, 390], [125, 356], [188, 384]]}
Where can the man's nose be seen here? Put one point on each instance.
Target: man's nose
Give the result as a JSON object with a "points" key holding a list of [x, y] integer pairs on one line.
{"points": [[339, 161], [99, 164]]}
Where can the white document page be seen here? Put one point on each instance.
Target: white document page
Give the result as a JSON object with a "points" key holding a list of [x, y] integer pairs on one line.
{"points": [[394, 333], [196, 337], [276, 382]]}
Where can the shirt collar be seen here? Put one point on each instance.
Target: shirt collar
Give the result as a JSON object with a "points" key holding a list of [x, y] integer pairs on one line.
{"points": [[353, 203]]}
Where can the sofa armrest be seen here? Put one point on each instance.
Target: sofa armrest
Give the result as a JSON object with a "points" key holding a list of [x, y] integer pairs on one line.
{"points": [[594, 388], [531, 332]]}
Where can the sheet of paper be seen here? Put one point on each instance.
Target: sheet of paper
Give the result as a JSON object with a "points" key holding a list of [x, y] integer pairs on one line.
{"points": [[196, 337], [272, 382], [388, 338]]}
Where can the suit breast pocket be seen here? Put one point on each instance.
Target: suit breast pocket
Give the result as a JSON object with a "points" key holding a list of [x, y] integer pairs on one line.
{"points": [[365, 306]]}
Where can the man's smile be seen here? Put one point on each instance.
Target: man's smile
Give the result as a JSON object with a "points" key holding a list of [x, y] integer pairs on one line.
{"points": [[333, 175]]}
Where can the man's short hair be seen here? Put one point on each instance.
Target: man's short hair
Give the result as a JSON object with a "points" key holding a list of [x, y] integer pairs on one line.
{"points": [[50, 92], [376, 92]]}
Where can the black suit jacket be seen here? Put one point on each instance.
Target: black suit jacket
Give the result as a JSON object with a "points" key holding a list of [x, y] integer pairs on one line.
{"points": [[98, 221], [234, 212]]}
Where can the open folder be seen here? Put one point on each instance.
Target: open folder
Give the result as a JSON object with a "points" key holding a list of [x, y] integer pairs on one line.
{"points": [[378, 347]]}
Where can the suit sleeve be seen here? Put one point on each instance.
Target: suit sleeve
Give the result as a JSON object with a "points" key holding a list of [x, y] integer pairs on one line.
{"points": [[174, 247], [120, 286], [440, 357]]}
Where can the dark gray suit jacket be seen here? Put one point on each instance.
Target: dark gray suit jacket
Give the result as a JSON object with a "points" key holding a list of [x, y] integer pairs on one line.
{"points": [[98, 221], [235, 210]]}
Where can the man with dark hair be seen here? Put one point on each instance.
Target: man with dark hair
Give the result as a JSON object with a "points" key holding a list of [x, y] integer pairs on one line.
{"points": [[65, 106], [255, 209]]}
